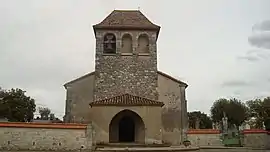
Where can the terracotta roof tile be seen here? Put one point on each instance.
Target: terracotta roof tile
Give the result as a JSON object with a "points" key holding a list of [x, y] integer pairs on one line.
{"points": [[127, 19], [126, 100]]}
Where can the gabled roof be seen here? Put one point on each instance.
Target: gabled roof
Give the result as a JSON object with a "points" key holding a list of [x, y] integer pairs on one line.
{"points": [[174, 79], [84, 76], [126, 19], [159, 72], [126, 100]]}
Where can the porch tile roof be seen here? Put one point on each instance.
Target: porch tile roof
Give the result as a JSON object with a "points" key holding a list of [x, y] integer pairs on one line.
{"points": [[126, 100]]}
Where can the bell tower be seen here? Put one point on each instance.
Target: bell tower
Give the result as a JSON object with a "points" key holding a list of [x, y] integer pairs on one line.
{"points": [[126, 55]]}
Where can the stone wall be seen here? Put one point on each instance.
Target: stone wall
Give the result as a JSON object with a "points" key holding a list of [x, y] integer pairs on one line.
{"points": [[256, 138], [78, 96], [209, 137], [39, 136], [46, 137], [172, 94], [230, 149], [120, 73], [204, 137]]}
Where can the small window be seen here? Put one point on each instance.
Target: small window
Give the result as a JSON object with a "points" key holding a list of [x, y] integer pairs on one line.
{"points": [[143, 44], [109, 44]]}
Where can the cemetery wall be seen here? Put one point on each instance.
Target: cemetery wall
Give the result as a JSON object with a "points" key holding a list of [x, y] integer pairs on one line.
{"points": [[40, 136], [253, 138], [50, 136], [204, 137], [256, 138]]}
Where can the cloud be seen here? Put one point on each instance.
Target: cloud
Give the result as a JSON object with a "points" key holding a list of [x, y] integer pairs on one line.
{"points": [[263, 26], [255, 55], [260, 36], [235, 83], [260, 39]]}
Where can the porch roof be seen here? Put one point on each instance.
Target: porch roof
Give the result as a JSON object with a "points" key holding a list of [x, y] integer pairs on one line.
{"points": [[126, 100]]}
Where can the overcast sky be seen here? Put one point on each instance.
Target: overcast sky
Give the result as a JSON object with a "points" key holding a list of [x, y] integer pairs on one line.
{"points": [[221, 48]]}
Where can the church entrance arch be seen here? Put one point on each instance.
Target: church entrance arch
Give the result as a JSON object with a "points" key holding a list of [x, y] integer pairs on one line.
{"points": [[126, 126]]}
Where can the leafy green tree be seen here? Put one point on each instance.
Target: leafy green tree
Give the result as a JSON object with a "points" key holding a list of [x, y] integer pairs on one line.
{"points": [[260, 110], [235, 110], [204, 121], [44, 113], [16, 106]]}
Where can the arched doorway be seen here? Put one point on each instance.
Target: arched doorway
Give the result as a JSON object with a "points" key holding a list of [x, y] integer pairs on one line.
{"points": [[126, 131], [126, 126]]}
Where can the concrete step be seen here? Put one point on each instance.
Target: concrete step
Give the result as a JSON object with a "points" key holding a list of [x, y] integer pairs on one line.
{"points": [[130, 145], [148, 149]]}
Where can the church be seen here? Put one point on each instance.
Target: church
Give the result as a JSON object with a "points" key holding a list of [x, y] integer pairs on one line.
{"points": [[126, 98]]}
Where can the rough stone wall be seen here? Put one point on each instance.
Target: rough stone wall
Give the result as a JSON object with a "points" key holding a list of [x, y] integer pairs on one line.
{"points": [[126, 73], [79, 95], [205, 139], [229, 149], [257, 140], [37, 138], [174, 111]]}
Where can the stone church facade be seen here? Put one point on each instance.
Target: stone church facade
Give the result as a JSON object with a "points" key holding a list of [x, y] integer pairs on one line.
{"points": [[126, 98]]}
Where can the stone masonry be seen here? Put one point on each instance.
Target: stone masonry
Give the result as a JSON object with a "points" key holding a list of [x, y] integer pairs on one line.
{"points": [[130, 73], [130, 68], [46, 137]]}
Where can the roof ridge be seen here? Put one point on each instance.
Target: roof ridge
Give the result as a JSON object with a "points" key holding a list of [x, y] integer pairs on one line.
{"points": [[126, 10]]}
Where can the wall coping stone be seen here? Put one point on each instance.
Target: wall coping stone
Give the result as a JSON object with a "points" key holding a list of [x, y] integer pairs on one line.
{"points": [[215, 131], [203, 131], [255, 131], [43, 125]]}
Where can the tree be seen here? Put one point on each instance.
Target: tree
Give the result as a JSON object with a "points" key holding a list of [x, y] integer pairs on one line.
{"points": [[44, 113], [235, 110], [16, 106], [52, 116], [204, 121], [260, 110]]}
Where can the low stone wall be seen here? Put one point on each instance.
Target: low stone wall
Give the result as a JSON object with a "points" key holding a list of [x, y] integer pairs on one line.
{"points": [[230, 149], [256, 138], [61, 137], [204, 137], [209, 137], [40, 136]]}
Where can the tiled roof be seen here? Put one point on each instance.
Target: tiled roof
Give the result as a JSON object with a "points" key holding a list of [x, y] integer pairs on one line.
{"points": [[127, 19], [127, 100]]}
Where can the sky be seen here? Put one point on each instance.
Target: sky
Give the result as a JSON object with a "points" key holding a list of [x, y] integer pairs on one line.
{"points": [[221, 48]]}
